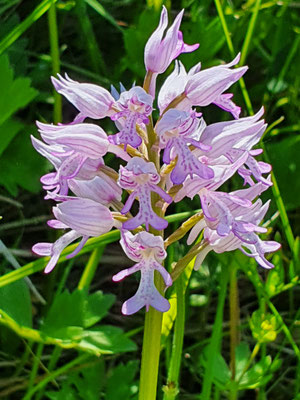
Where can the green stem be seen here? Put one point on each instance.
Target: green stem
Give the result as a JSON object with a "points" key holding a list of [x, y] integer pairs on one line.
{"points": [[234, 321], [151, 350], [216, 336], [172, 388], [90, 269], [51, 365], [91, 45], [250, 32], [34, 370], [54, 49]]}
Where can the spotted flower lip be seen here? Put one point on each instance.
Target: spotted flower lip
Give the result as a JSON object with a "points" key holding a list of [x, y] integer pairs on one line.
{"points": [[135, 105], [163, 47], [91, 100], [141, 177], [84, 217], [147, 251]]}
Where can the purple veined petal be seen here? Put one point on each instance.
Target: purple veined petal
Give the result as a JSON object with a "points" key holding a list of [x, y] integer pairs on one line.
{"points": [[85, 216], [53, 223], [254, 167], [195, 231], [91, 100], [46, 151], [42, 249], [161, 193], [205, 207], [118, 151], [206, 86], [71, 165], [265, 168], [126, 272], [164, 273], [260, 259], [101, 188], [183, 47], [152, 219], [224, 101], [128, 203], [78, 248], [201, 256], [188, 164], [255, 152]]}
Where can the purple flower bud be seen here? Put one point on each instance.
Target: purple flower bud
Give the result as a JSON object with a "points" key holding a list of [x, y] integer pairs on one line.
{"points": [[148, 251], [92, 101], [161, 50]]}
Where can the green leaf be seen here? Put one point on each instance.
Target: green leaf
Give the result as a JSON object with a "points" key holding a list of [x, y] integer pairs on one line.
{"points": [[15, 93], [221, 372], [242, 355], [90, 309], [120, 383], [15, 301], [8, 131], [107, 340], [258, 375]]}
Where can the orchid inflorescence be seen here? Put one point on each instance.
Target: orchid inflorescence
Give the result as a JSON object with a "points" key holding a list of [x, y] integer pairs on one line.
{"points": [[197, 159]]}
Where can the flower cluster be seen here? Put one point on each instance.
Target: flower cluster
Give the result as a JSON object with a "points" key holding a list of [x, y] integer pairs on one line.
{"points": [[197, 159]]}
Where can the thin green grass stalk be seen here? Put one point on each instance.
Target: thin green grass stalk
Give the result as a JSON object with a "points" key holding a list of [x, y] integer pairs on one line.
{"points": [[234, 322], [15, 33], [51, 365], [101, 11], [78, 360], [91, 267], [250, 32], [24, 358], [91, 45], [232, 53], [34, 370], [215, 342], [172, 388], [54, 50]]}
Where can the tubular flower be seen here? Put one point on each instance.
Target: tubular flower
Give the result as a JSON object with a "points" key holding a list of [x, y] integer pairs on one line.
{"points": [[84, 217], [92, 101], [136, 106], [142, 178], [148, 251]]}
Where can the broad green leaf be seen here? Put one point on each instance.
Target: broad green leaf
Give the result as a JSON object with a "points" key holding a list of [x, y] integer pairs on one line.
{"points": [[120, 383], [15, 93], [89, 309], [8, 131], [242, 355], [258, 375], [107, 339], [15, 301], [221, 372]]}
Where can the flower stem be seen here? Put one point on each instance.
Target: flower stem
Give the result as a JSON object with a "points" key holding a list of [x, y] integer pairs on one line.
{"points": [[172, 388], [151, 350]]}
